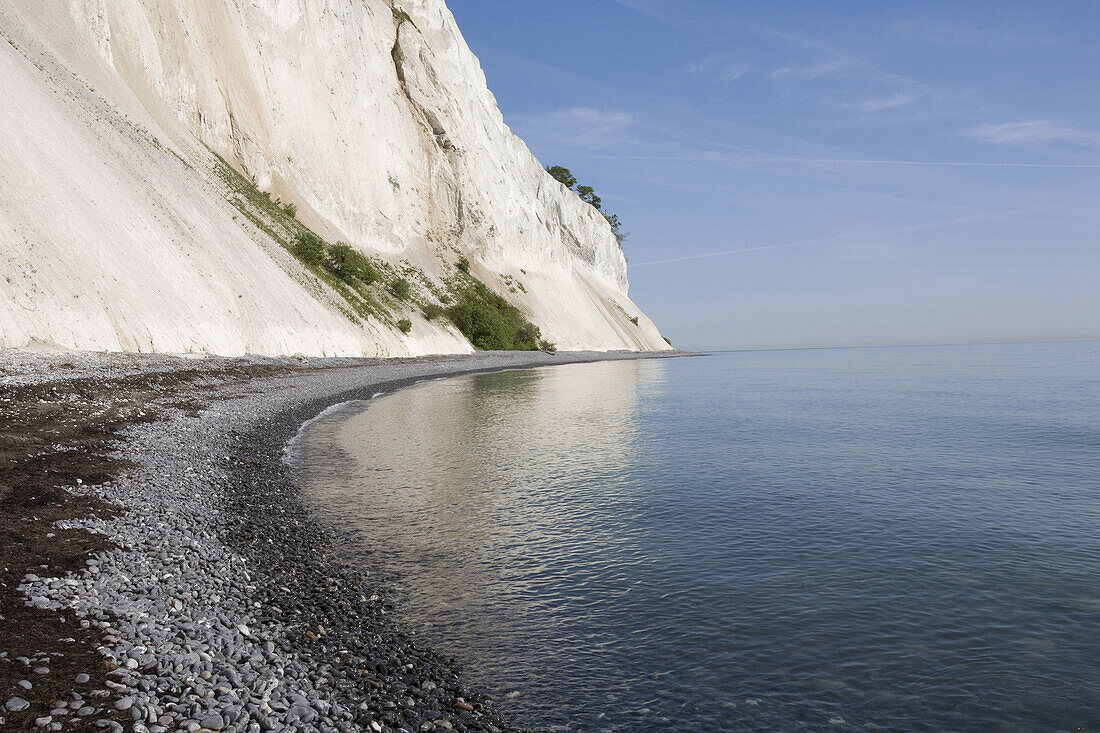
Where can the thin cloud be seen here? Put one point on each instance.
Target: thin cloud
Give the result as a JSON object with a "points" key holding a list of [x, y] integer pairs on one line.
{"points": [[809, 72], [733, 72], [715, 157], [1033, 132], [652, 8], [959, 32], [721, 65], [888, 102], [703, 66], [581, 127], [994, 216], [836, 63]]}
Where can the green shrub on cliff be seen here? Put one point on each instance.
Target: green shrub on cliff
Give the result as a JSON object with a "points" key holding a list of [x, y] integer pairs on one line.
{"points": [[432, 311], [588, 195], [401, 288], [348, 264], [492, 323], [309, 248]]}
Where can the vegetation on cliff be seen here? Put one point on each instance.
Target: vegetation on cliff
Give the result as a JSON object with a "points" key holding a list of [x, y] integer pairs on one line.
{"points": [[490, 322], [588, 195]]}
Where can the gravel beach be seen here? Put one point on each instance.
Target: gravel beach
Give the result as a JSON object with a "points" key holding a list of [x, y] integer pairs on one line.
{"points": [[159, 573]]}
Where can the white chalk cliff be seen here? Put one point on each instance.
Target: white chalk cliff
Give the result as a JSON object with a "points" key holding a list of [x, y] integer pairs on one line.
{"points": [[121, 230]]}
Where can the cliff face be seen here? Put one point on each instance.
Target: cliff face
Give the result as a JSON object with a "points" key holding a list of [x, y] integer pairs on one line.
{"points": [[124, 223]]}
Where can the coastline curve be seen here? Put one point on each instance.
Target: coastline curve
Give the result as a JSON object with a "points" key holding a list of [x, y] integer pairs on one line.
{"points": [[206, 546]]}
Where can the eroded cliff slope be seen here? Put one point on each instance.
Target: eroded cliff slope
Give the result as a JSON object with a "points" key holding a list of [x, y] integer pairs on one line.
{"points": [[145, 145]]}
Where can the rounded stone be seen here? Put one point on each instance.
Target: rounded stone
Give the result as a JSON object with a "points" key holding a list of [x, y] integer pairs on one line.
{"points": [[213, 721]]}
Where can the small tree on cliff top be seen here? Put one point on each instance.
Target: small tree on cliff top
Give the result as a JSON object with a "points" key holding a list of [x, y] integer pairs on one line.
{"points": [[562, 175], [588, 195]]}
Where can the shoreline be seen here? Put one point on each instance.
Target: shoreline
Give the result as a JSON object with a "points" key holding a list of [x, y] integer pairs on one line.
{"points": [[205, 597]]}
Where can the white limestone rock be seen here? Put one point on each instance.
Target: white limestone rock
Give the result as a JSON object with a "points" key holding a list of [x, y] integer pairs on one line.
{"points": [[117, 234]]}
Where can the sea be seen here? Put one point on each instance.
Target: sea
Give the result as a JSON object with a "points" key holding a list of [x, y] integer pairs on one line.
{"points": [[858, 539]]}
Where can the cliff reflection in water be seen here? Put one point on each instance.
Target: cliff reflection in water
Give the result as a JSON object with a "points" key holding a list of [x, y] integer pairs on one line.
{"points": [[487, 499]]}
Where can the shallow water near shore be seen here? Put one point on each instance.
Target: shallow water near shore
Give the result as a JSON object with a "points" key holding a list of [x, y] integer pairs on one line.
{"points": [[848, 539]]}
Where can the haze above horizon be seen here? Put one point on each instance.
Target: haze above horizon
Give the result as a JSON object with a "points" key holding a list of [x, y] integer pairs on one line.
{"points": [[789, 174]]}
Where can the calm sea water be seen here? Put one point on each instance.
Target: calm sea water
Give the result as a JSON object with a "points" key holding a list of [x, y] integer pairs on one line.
{"points": [[859, 539]]}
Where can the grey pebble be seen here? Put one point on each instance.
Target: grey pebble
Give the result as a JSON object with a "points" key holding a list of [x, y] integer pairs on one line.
{"points": [[212, 722], [17, 705]]}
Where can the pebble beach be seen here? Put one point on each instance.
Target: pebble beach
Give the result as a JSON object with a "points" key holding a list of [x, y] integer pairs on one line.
{"points": [[159, 573]]}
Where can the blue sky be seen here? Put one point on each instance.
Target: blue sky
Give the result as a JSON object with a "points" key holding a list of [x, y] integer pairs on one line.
{"points": [[796, 173]]}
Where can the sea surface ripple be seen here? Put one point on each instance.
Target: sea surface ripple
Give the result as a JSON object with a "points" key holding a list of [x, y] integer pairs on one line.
{"points": [[902, 539]]}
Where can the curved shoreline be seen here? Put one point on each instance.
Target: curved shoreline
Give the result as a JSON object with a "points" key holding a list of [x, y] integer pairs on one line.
{"points": [[215, 598]]}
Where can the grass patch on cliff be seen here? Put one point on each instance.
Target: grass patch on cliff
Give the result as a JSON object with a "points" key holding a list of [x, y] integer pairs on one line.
{"points": [[344, 270], [375, 288], [512, 284]]}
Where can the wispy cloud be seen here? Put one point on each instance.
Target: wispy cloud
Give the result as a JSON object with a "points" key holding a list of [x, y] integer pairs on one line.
{"points": [[733, 72], [808, 72], [992, 216], [652, 8], [719, 157], [956, 30], [885, 102], [1034, 132], [723, 66], [579, 127], [816, 62]]}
